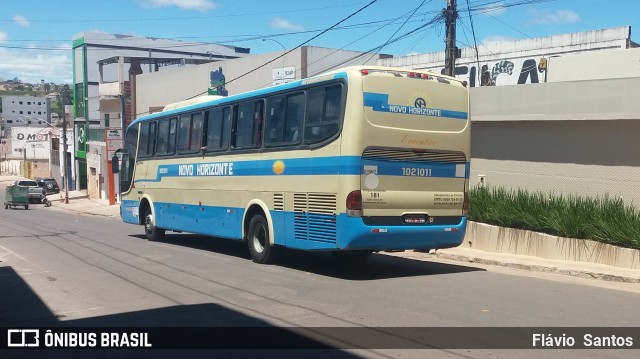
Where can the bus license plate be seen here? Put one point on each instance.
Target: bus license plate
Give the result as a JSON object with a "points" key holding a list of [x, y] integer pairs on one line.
{"points": [[415, 219]]}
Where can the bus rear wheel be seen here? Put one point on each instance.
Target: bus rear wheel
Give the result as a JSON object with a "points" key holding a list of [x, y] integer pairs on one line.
{"points": [[152, 232], [258, 240]]}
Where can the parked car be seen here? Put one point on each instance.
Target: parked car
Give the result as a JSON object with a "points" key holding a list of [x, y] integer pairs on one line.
{"points": [[37, 194], [49, 184]]}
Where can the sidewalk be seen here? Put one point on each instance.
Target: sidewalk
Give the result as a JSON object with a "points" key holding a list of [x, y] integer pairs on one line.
{"points": [[79, 203]]}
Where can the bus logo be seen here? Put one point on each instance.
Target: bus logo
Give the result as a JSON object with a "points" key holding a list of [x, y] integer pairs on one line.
{"points": [[278, 167], [420, 102]]}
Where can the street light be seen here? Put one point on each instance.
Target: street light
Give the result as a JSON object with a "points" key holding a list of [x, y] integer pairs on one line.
{"points": [[284, 52]]}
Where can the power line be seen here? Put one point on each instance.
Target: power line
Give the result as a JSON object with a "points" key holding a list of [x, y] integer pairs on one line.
{"points": [[185, 17], [302, 44]]}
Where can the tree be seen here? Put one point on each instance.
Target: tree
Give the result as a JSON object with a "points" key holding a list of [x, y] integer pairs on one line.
{"points": [[64, 97], [47, 88]]}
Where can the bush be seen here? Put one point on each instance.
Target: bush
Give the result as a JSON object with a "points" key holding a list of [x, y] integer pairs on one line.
{"points": [[604, 219]]}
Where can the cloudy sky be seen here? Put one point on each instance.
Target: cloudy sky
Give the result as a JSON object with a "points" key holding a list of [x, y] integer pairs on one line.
{"points": [[35, 35]]}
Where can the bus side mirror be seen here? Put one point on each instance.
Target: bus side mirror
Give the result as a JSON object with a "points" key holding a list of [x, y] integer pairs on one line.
{"points": [[114, 165]]}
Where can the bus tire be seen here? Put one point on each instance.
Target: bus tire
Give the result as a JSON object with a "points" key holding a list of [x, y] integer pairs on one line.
{"points": [[258, 240], [152, 232]]}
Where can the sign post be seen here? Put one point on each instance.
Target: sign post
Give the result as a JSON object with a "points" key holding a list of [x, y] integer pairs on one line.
{"points": [[113, 138]]}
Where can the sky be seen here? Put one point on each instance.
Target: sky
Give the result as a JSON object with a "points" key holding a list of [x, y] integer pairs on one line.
{"points": [[36, 35]]}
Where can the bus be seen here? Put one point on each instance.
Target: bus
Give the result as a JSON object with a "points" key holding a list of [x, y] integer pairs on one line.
{"points": [[353, 161]]}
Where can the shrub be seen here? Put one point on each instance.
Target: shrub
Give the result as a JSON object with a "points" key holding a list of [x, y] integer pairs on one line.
{"points": [[602, 219]]}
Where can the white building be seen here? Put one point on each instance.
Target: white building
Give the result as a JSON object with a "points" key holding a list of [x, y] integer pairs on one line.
{"points": [[23, 111], [105, 66]]}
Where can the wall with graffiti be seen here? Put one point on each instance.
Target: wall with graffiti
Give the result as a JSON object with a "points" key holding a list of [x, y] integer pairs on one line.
{"points": [[503, 72], [517, 62]]}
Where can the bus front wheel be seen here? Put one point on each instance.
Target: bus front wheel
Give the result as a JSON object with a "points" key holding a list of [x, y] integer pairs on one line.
{"points": [[258, 240], [152, 232]]}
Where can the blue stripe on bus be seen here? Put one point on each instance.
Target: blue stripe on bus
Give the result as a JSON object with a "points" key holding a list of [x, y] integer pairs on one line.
{"points": [[315, 166], [344, 232], [380, 102]]}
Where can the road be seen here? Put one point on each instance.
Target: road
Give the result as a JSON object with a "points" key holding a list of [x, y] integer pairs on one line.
{"points": [[60, 268]]}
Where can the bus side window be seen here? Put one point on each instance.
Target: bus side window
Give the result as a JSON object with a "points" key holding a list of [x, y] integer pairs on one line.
{"points": [[171, 141], [197, 122], [247, 125], [323, 113], [163, 134], [184, 132], [144, 140], [218, 122], [152, 138], [274, 121], [190, 133], [257, 124], [294, 118]]}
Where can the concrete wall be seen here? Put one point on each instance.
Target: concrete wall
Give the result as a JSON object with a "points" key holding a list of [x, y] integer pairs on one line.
{"points": [[571, 138], [593, 66]]}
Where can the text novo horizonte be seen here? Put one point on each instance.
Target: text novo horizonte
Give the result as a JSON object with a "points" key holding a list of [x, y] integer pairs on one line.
{"points": [[206, 169]]}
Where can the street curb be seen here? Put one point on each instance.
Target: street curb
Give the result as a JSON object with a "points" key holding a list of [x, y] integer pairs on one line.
{"points": [[539, 268]]}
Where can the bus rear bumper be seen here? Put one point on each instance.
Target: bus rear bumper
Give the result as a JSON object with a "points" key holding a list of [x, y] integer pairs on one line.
{"points": [[356, 235]]}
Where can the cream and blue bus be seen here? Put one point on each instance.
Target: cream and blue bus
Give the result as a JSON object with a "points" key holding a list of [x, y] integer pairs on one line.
{"points": [[354, 161]]}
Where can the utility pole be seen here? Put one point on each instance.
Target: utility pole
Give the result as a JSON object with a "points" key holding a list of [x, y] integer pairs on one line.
{"points": [[451, 51], [64, 151]]}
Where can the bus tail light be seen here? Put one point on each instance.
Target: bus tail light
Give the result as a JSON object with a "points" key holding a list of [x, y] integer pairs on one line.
{"points": [[465, 204], [354, 204]]}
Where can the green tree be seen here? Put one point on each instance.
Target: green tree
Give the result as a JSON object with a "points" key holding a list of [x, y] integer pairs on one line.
{"points": [[64, 97]]}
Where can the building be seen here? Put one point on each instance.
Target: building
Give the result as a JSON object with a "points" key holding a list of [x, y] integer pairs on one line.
{"points": [[107, 64], [25, 111]]}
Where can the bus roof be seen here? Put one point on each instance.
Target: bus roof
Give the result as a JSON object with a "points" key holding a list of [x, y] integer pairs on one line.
{"points": [[202, 102]]}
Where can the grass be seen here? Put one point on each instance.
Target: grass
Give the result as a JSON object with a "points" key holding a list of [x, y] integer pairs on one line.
{"points": [[604, 219]]}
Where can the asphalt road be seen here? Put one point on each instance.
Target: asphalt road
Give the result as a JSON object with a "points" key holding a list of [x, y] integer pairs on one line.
{"points": [[58, 268]]}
